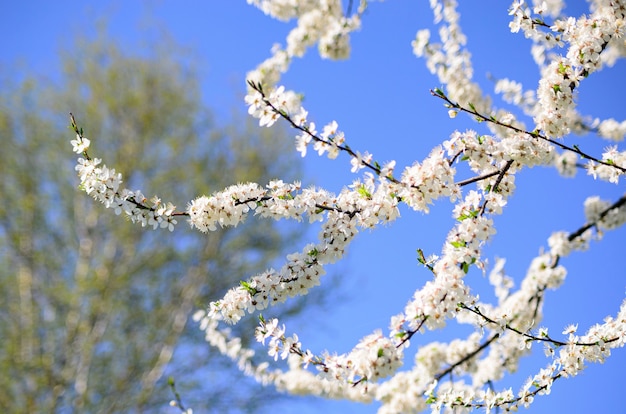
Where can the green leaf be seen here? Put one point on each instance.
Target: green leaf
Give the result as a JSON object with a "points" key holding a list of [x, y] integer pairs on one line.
{"points": [[364, 192], [470, 215], [248, 287], [420, 256], [431, 399]]}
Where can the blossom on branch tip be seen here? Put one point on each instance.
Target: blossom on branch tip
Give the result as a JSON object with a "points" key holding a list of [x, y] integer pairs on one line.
{"points": [[80, 144]]}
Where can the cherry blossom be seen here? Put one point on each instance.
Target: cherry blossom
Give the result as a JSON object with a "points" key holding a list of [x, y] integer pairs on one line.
{"points": [[458, 374]]}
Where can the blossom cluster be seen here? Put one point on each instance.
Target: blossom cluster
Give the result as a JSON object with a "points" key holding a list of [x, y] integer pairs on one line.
{"points": [[603, 214], [586, 38], [281, 103], [318, 22], [104, 185], [513, 92], [607, 171], [450, 60], [373, 358]]}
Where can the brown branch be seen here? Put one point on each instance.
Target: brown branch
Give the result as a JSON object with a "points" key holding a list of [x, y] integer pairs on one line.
{"points": [[466, 357], [619, 203]]}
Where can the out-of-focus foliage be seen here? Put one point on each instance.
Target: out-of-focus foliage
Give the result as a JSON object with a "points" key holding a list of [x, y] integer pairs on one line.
{"points": [[94, 312]]}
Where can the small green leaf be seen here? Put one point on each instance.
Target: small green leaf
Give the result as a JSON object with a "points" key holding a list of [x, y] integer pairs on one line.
{"points": [[420, 256], [248, 287], [472, 214], [364, 192]]}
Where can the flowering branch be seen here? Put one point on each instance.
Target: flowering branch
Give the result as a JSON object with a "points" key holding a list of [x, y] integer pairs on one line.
{"points": [[613, 209], [543, 335], [331, 140], [104, 185], [371, 370], [535, 134]]}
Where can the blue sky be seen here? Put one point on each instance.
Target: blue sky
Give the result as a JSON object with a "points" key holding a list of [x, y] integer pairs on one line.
{"points": [[380, 99]]}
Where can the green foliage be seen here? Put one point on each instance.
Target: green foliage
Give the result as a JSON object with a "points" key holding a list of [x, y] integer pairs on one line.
{"points": [[94, 310]]}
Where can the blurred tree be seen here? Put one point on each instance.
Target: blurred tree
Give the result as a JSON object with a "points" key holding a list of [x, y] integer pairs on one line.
{"points": [[92, 313]]}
